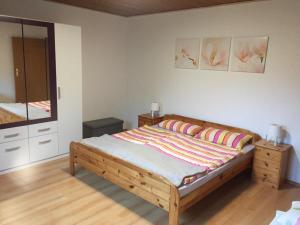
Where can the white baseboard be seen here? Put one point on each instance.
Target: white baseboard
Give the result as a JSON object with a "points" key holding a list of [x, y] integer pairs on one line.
{"points": [[33, 164]]}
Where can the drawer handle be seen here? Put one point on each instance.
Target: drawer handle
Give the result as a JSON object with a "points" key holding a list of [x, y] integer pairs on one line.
{"points": [[44, 142], [266, 164], [12, 149], [268, 153], [11, 135], [44, 130]]}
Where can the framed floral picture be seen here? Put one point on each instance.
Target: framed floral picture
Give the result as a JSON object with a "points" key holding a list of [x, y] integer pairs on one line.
{"points": [[249, 54], [187, 53], [215, 53]]}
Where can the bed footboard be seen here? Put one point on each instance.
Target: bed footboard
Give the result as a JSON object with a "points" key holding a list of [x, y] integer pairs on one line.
{"points": [[151, 187], [145, 184]]}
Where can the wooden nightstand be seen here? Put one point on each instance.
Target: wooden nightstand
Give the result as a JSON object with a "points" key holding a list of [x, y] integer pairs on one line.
{"points": [[270, 163], [147, 119]]}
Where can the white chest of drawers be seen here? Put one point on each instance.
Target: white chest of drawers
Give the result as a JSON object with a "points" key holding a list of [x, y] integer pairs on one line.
{"points": [[27, 144]]}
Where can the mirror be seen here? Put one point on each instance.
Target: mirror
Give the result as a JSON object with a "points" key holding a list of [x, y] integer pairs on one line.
{"points": [[27, 72], [37, 71], [12, 82]]}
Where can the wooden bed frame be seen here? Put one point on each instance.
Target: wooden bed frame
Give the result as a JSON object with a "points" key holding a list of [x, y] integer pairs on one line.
{"points": [[147, 185]]}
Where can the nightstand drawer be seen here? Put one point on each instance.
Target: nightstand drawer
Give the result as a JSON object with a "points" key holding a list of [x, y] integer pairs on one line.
{"points": [[141, 123], [266, 154], [263, 175], [268, 165], [145, 122]]}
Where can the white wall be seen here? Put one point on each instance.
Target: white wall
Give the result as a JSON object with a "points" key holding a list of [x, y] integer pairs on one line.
{"points": [[250, 101], [104, 45]]}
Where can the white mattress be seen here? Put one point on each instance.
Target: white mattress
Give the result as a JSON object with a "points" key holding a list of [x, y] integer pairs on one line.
{"points": [[247, 152]]}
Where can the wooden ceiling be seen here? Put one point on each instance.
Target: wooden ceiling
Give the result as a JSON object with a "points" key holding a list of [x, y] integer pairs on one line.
{"points": [[141, 7]]}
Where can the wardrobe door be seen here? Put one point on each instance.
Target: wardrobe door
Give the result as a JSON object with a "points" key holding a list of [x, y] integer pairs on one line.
{"points": [[35, 41], [12, 76], [69, 81]]}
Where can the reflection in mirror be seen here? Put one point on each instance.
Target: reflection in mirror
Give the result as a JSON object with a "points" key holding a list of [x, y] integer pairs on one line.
{"points": [[37, 71], [12, 78]]}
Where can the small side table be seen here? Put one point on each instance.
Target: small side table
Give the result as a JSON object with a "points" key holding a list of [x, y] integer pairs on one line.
{"points": [[270, 163], [147, 119]]}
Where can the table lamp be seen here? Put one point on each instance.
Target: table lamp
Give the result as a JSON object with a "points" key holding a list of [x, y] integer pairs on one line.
{"points": [[274, 133], [154, 109]]}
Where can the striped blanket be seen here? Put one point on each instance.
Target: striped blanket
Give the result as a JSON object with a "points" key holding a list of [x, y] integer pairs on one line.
{"points": [[180, 146]]}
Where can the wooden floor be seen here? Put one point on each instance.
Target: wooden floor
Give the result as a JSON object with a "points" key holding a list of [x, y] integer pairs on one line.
{"points": [[46, 194]]}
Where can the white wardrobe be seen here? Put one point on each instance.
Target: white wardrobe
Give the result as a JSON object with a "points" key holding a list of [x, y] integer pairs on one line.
{"points": [[69, 82], [25, 145]]}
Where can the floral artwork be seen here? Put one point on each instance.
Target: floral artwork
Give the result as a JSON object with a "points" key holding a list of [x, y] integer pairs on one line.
{"points": [[249, 54], [187, 53], [215, 53]]}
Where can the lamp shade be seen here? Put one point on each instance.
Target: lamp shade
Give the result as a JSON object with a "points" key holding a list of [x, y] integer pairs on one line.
{"points": [[154, 106], [274, 132]]}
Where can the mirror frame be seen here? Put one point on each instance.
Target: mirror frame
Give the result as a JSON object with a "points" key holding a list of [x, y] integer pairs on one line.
{"points": [[52, 69]]}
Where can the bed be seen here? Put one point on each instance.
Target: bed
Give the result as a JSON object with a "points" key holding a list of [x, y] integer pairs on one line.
{"points": [[159, 187], [15, 112]]}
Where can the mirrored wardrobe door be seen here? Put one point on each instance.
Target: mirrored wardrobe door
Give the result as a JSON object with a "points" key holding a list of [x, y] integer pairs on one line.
{"points": [[37, 71], [12, 75]]}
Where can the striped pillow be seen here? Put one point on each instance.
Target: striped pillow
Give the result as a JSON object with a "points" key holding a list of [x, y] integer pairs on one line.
{"points": [[180, 127], [224, 137]]}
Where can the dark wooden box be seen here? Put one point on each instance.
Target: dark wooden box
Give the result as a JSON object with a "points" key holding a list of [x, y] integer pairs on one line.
{"points": [[96, 128]]}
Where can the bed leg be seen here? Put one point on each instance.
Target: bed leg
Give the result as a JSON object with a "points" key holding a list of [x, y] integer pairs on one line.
{"points": [[174, 207], [72, 163]]}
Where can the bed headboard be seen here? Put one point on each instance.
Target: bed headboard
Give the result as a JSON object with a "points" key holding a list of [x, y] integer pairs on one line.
{"points": [[204, 123]]}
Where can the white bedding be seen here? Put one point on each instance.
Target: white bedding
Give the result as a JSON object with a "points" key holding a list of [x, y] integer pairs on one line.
{"points": [[144, 157], [20, 110]]}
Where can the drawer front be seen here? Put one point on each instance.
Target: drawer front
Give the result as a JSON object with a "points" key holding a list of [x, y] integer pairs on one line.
{"points": [[267, 165], [158, 120], [266, 154], [43, 147], [141, 123], [42, 129], [267, 176], [145, 122], [13, 154], [13, 134]]}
